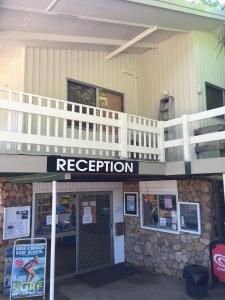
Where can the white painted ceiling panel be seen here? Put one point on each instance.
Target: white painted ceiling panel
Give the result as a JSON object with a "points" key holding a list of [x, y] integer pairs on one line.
{"points": [[33, 22], [37, 4]]}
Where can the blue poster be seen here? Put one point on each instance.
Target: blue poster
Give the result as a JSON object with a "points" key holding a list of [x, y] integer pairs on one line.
{"points": [[131, 203], [28, 271], [8, 269]]}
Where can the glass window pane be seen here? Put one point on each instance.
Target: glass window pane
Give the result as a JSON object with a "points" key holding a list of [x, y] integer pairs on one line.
{"points": [[189, 217], [160, 211], [81, 93]]}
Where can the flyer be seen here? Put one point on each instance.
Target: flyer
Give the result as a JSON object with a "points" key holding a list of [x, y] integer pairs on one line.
{"points": [[28, 270], [16, 222], [131, 203]]}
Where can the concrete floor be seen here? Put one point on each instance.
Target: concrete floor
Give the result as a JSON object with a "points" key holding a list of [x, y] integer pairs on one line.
{"points": [[142, 286]]}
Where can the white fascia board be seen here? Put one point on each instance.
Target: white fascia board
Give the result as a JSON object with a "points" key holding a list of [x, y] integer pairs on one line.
{"points": [[185, 7], [35, 36]]}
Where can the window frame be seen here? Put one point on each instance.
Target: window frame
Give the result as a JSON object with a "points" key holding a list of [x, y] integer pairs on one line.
{"points": [[208, 84], [166, 192], [198, 216], [97, 91]]}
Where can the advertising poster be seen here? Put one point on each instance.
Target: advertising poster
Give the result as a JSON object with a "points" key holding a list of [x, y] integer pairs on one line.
{"points": [[218, 261], [8, 269], [130, 204], [16, 222], [28, 272]]}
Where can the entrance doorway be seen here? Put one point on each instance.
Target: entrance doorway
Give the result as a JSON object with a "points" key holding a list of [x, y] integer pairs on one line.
{"points": [[94, 231], [83, 230]]}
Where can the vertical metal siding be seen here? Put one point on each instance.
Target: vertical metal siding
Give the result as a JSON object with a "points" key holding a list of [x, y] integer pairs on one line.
{"points": [[170, 67], [47, 70], [210, 67]]}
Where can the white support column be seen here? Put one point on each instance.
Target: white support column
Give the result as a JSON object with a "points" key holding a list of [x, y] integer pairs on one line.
{"points": [[161, 141], [123, 135], [53, 228], [186, 137]]}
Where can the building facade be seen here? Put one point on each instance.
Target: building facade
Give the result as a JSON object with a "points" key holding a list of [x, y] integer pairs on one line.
{"points": [[131, 187]]}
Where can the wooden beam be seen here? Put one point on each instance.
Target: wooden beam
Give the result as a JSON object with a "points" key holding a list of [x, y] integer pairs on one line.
{"points": [[51, 5], [60, 38], [132, 42]]}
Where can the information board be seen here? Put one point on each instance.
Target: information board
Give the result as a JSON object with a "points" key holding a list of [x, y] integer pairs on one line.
{"points": [[16, 222]]}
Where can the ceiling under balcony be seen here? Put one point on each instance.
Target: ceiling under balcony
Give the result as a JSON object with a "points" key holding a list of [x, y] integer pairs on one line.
{"points": [[99, 24]]}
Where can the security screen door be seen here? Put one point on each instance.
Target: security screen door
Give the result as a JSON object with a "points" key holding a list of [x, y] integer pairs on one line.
{"points": [[94, 239]]}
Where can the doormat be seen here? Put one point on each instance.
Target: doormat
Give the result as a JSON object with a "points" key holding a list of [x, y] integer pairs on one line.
{"points": [[108, 275]]}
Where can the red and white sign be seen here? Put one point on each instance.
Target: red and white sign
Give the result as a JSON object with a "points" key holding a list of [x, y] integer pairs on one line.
{"points": [[218, 262]]}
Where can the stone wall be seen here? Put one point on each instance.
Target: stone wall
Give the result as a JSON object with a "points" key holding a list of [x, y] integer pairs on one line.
{"points": [[168, 253], [11, 195]]}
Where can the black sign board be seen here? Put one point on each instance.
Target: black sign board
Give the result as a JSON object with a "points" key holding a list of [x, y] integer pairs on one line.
{"points": [[91, 165]]}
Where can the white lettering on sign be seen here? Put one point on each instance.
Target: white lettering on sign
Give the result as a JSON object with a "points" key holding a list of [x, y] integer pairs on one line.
{"points": [[91, 165], [60, 164], [78, 165], [219, 260]]}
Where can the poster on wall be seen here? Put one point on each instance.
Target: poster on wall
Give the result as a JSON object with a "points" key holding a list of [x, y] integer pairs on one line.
{"points": [[8, 269], [89, 212], [16, 222], [28, 270], [130, 204]]}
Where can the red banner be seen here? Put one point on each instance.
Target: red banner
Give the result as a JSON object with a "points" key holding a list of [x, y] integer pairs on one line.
{"points": [[218, 262]]}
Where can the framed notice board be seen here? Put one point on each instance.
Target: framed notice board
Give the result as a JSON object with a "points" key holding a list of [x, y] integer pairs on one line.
{"points": [[131, 204], [190, 220]]}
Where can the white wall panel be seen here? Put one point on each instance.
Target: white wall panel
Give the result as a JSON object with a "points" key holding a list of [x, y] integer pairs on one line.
{"points": [[210, 67], [47, 70], [171, 67], [12, 71]]}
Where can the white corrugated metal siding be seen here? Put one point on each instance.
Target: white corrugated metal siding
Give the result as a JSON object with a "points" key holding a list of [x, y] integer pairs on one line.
{"points": [[171, 68], [47, 70]]}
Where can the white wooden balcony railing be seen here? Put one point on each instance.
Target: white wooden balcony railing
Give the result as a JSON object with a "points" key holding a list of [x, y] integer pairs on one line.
{"points": [[33, 124], [39, 125]]}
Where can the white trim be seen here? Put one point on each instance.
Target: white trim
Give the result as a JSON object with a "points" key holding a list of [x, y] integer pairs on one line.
{"points": [[198, 215], [184, 7], [137, 206]]}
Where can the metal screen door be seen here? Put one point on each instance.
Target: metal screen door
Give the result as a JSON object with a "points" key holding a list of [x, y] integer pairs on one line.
{"points": [[94, 237]]}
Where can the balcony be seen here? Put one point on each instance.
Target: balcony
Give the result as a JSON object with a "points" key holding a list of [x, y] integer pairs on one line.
{"points": [[32, 124], [36, 125]]}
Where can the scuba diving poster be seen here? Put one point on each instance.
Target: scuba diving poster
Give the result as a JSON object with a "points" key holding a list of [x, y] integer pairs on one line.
{"points": [[28, 271]]}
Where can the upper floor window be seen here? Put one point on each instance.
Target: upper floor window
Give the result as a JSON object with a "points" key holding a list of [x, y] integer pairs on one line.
{"points": [[94, 96], [215, 96]]}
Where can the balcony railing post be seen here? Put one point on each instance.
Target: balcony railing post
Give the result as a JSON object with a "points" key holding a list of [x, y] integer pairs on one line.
{"points": [[123, 136], [186, 137], [161, 141]]}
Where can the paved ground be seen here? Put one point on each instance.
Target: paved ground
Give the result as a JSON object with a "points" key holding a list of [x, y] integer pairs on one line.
{"points": [[142, 286]]}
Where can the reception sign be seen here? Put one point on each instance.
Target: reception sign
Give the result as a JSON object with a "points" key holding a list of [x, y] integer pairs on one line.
{"points": [[218, 261], [87, 165], [28, 271]]}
